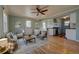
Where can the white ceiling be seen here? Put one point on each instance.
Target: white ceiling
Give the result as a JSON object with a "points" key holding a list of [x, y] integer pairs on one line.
{"points": [[26, 10]]}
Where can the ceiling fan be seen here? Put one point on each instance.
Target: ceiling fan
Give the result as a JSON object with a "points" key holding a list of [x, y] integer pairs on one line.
{"points": [[39, 10]]}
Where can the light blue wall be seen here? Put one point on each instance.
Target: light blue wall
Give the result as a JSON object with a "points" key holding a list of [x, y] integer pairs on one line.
{"points": [[1, 21], [13, 20], [11, 23], [77, 25]]}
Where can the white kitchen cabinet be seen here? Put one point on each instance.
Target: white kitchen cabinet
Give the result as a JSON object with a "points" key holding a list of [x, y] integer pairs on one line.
{"points": [[71, 34], [72, 20], [73, 17]]}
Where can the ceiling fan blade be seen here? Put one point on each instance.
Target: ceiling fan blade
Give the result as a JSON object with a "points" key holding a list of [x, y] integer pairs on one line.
{"points": [[42, 13], [44, 10], [44, 7]]}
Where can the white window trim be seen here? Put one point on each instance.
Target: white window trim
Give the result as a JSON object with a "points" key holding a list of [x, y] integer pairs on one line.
{"points": [[28, 23]]}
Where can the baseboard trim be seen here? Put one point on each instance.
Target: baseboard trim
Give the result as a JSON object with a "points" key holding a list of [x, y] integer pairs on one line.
{"points": [[72, 40]]}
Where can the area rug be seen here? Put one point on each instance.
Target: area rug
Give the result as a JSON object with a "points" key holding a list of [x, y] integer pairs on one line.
{"points": [[27, 48]]}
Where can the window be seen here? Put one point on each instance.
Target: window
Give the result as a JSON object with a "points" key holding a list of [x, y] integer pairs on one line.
{"points": [[28, 23], [5, 22], [67, 23], [44, 25]]}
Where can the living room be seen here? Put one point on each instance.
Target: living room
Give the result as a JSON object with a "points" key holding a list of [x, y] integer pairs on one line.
{"points": [[26, 29]]}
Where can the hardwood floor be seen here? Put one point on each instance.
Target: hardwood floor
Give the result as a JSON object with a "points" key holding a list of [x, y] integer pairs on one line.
{"points": [[58, 45]]}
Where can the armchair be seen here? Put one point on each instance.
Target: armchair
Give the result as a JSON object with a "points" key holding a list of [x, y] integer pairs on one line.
{"points": [[43, 35]]}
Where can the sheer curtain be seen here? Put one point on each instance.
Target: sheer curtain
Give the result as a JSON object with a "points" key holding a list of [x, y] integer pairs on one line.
{"points": [[44, 26], [5, 22]]}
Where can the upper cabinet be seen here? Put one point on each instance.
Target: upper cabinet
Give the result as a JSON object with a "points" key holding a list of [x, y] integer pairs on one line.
{"points": [[73, 20], [73, 17]]}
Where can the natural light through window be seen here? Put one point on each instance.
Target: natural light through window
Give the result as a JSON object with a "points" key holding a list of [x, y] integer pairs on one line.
{"points": [[67, 23], [28, 23], [44, 25], [5, 22]]}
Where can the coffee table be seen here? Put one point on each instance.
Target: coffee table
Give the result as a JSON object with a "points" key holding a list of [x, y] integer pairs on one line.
{"points": [[29, 38]]}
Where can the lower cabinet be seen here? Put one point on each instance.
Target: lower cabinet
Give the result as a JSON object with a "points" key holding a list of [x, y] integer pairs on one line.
{"points": [[71, 34]]}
